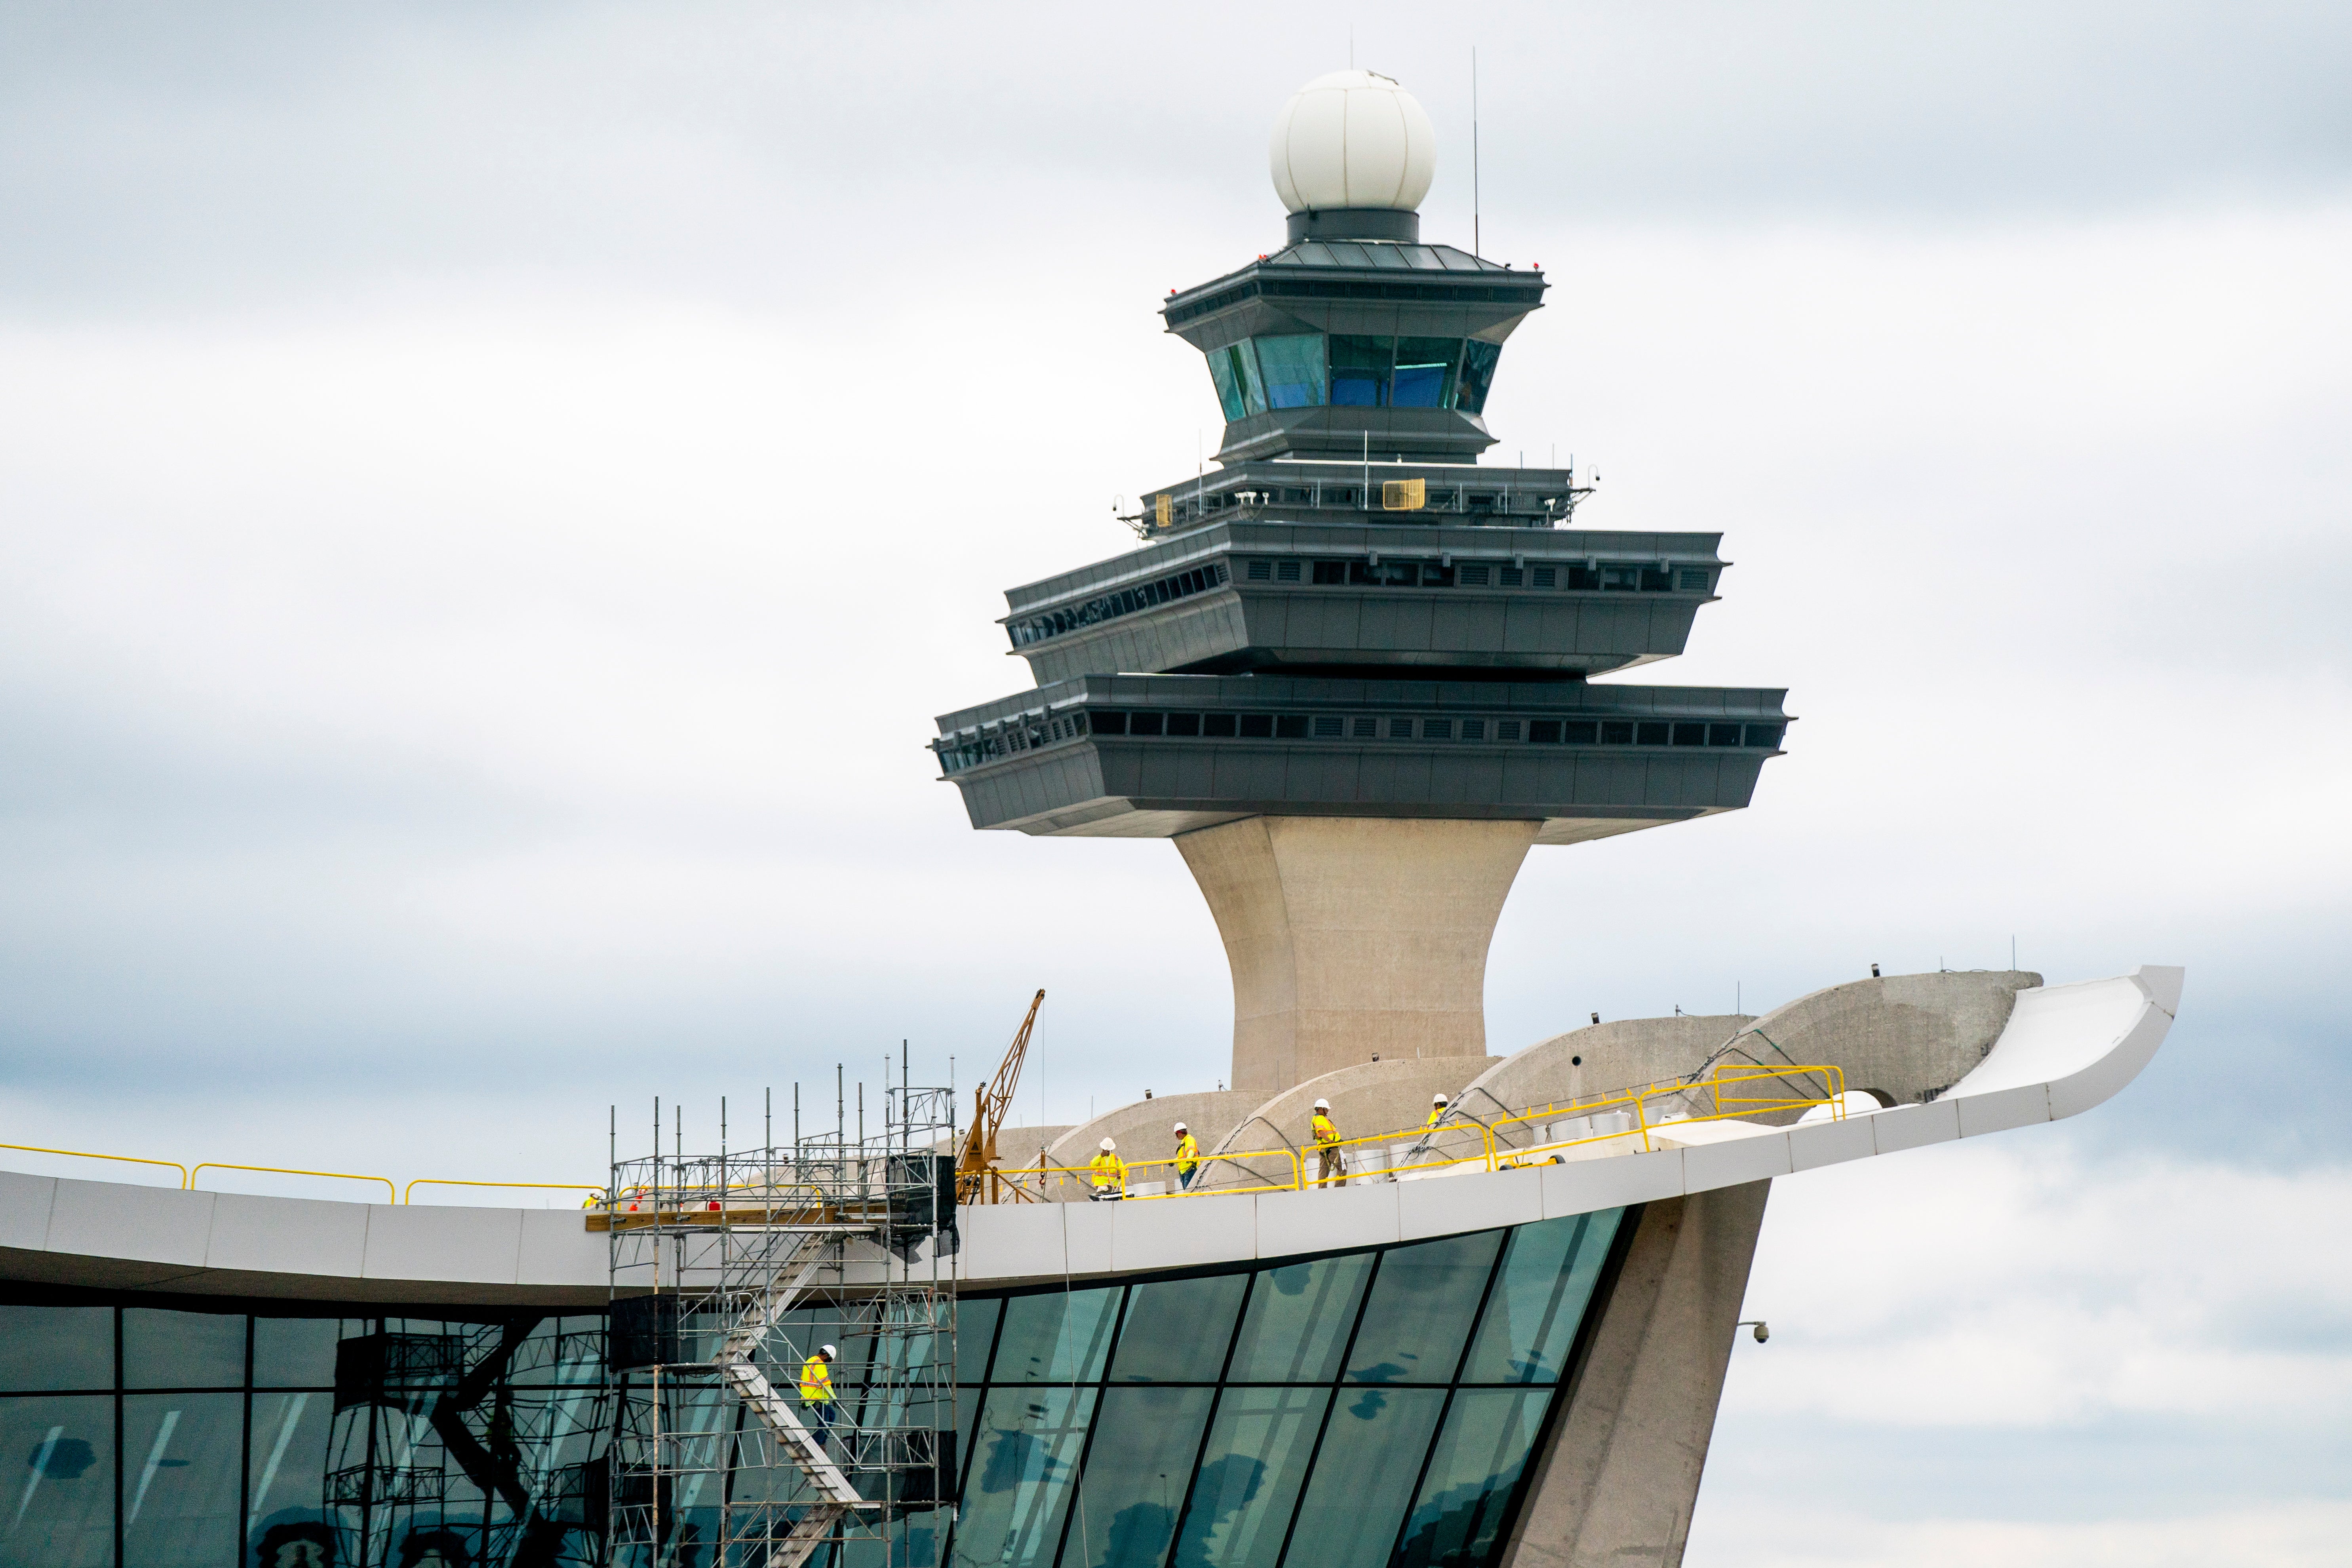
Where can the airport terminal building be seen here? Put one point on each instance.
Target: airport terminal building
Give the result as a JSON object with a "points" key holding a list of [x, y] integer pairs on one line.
{"points": [[1405, 1301]]}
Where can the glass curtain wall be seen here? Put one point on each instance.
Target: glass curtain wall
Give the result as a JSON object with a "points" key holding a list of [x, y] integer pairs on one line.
{"points": [[1361, 1411], [1352, 370], [170, 1438]]}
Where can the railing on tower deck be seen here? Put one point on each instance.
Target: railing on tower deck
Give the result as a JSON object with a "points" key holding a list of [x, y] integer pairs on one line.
{"points": [[1456, 1146]]}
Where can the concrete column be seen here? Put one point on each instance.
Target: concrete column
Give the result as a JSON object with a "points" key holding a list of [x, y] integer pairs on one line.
{"points": [[1617, 1481], [1351, 937]]}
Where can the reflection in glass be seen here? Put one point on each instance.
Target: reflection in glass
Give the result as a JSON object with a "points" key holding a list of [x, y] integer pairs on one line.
{"points": [[285, 1456], [1057, 1337], [1539, 1301], [1136, 1475], [298, 1352], [1359, 370], [56, 1507], [1177, 1329], [1250, 1476], [180, 1454], [1422, 1305], [1229, 392], [1424, 372], [1488, 1433], [1357, 1497], [1245, 375], [1299, 1315], [975, 1332], [1019, 1487], [1478, 360], [1293, 368], [182, 1349], [56, 1348]]}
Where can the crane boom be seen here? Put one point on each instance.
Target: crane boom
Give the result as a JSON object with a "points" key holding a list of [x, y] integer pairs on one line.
{"points": [[976, 1182]]}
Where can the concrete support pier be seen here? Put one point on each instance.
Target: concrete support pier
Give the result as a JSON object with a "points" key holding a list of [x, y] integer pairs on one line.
{"points": [[1353, 937]]}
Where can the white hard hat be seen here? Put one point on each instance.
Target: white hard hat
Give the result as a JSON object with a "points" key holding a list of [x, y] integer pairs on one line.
{"points": [[1437, 1099], [1322, 1105], [827, 1351], [1107, 1143], [1179, 1127]]}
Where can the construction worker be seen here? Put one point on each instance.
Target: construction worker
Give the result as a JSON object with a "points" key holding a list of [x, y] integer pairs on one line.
{"points": [[1188, 1157], [1330, 1166], [816, 1390], [1109, 1175], [1436, 1111]]}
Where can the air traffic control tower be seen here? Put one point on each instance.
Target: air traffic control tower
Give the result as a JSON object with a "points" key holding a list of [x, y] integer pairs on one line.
{"points": [[1352, 671]]}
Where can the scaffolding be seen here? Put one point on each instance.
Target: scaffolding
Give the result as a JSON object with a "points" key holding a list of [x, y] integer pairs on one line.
{"points": [[730, 1271]]}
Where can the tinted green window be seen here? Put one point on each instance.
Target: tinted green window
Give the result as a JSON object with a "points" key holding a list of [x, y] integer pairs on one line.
{"points": [[1018, 1491], [1296, 1326], [1424, 372], [180, 1459], [1422, 1301], [1539, 1298], [56, 1507], [1056, 1337], [1246, 376], [1488, 1434], [1357, 1496], [1293, 370], [1229, 388], [1479, 361], [56, 1348], [1136, 1477], [182, 1350], [975, 1331], [1250, 1476], [286, 1455], [1359, 370], [1177, 1329], [296, 1352]]}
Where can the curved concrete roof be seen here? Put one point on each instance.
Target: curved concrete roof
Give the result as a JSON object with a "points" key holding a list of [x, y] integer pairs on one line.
{"points": [[2063, 1049]]}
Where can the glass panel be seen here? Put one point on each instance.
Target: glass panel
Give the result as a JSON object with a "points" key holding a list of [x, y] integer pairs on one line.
{"points": [[1250, 1477], [56, 1347], [975, 1332], [1424, 372], [60, 1514], [1293, 368], [1359, 370], [1057, 1337], [1299, 1315], [1145, 1444], [1532, 1317], [1245, 377], [1421, 1309], [181, 1457], [1177, 1329], [1479, 361], [1019, 1490], [299, 1352], [1229, 393], [1358, 1496], [1488, 1436], [286, 1458], [182, 1349]]}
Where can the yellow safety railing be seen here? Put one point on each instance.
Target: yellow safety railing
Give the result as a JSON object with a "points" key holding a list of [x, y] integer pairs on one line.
{"points": [[409, 1193], [85, 1154], [390, 1191], [1731, 1091]]}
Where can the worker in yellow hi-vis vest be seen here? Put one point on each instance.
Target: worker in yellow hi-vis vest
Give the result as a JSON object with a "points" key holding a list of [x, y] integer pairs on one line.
{"points": [[1109, 1174], [1330, 1166], [1437, 1111], [816, 1390], [1188, 1157]]}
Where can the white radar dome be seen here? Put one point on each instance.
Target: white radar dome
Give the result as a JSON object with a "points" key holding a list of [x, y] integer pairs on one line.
{"points": [[1353, 139]]}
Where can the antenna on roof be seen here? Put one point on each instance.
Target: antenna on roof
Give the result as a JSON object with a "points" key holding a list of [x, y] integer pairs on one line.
{"points": [[1475, 248]]}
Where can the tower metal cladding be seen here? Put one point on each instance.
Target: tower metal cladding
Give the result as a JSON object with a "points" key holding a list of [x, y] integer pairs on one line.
{"points": [[1352, 671]]}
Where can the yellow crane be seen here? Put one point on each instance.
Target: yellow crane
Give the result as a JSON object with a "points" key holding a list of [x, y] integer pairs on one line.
{"points": [[977, 1180]]}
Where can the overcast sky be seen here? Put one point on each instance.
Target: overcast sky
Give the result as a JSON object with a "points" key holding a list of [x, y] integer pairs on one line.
{"points": [[492, 498]]}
